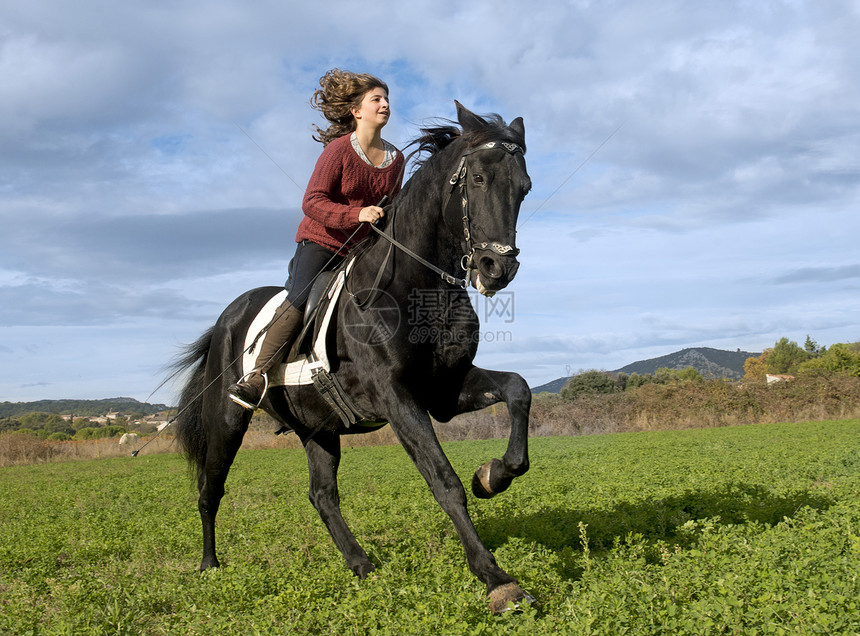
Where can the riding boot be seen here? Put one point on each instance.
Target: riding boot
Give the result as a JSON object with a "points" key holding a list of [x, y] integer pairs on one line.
{"points": [[250, 390]]}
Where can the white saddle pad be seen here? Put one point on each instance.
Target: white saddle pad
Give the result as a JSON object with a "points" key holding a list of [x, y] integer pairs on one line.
{"points": [[299, 371]]}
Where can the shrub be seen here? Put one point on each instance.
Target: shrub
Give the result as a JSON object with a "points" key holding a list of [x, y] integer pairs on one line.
{"points": [[99, 433], [590, 382], [87, 432], [664, 375], [840, 358], [677, 405], [113, 431], [39, 432], [18, 448], [635, 380], [9, 424]]}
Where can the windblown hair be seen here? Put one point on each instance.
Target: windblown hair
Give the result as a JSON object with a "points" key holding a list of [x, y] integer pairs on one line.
{"points": [[339, 91], [490, 128]]}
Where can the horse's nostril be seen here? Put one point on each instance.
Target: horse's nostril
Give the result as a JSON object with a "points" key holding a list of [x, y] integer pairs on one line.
{"points": [[490, 267]]}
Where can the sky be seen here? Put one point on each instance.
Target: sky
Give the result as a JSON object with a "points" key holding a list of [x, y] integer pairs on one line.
{"points": [[695, 169]]}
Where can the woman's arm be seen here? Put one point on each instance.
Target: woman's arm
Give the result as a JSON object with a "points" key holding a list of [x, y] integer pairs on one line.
{"points": [[323, 188]]}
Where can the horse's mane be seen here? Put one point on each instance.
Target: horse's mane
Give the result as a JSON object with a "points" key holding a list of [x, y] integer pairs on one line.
{"points": [[491, 128]]}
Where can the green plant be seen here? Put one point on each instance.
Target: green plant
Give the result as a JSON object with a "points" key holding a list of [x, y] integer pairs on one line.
{"points": [[843, 359], [101, 432], [589, 382], [736, 530]]}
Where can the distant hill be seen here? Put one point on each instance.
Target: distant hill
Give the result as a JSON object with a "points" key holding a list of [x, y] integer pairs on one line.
{"points": [[82, 408], [555, 386], [711, 363]]}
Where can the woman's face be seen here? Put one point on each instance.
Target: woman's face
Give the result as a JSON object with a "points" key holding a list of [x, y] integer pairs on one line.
{"points": [[374, 108]]}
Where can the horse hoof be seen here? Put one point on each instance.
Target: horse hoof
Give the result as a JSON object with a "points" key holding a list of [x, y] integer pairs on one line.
{"points": [[208, 564], [363, 569], [509, 596], [488, 481]]}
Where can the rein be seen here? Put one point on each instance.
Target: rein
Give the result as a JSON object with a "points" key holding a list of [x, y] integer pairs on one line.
{"points": [[448, 278]]}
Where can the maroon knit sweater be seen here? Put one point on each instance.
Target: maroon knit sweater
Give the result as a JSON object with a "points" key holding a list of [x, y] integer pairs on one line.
{"points": [[342, 184]]}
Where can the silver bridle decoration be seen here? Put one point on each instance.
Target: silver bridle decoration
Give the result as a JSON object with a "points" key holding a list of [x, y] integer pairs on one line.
{"points": [[498, 248]]}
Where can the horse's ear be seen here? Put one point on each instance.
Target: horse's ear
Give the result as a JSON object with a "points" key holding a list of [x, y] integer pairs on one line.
{"points": [[468, 120], [519, 127]]}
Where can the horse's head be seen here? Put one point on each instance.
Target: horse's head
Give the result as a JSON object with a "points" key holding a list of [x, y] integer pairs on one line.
{"points": [[485, 196]]}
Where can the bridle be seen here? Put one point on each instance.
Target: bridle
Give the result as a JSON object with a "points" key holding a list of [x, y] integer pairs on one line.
{"points": [[467, 262], [458, 179]]}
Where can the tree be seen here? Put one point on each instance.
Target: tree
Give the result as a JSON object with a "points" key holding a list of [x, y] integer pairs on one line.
{"points": [[36, 419], [690, 374], [99, 433], [840, 358], [810, 346], [786, 356], [9, 424], [635, 380], [755, 369], [58, 425], [589, 382], [665, 375]]}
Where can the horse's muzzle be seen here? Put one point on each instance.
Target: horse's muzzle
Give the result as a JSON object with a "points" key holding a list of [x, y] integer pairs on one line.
{"points": [[493, 271]]}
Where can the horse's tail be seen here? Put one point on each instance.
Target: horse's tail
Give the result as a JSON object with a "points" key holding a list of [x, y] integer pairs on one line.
{"points": [[189, 424]]}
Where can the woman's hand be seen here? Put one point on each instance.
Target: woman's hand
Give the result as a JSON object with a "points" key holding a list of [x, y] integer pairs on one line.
{"points": [[371, 214]]}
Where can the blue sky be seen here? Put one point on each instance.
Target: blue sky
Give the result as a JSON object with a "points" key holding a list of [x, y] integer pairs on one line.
{"points": [[722, 213]]}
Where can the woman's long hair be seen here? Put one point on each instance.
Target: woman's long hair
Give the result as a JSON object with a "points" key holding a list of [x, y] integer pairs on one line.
{"points": [[339, 92]]}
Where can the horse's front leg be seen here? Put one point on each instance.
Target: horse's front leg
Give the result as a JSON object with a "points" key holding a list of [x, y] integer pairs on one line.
{"points": [[481, 388], [323, 451], [415, 432]]}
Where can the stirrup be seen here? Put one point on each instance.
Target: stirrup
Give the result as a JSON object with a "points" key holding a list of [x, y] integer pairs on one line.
{"points": [[245, 403]]}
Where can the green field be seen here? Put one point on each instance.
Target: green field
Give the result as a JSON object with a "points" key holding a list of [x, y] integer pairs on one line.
{"points": [[743, 530]]}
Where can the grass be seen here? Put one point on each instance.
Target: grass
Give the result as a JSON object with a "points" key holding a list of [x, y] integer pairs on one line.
{"points": [[740, 530]]}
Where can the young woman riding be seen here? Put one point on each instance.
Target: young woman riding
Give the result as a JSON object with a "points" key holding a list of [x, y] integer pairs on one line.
{"points": [[356, 169]]}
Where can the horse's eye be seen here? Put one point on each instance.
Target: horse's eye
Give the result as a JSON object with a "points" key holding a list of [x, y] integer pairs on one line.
{"points": [[478, 179]]}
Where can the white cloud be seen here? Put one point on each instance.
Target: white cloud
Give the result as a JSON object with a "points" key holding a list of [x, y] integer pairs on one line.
{"points": [[721, 212]]}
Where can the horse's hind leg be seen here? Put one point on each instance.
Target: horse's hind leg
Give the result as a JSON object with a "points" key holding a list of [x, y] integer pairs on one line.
{"points": [[482, 388], [323, 451], [223, 441]]}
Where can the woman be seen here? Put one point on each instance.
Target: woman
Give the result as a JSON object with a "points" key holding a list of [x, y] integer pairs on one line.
{"points": [[356, 169]]}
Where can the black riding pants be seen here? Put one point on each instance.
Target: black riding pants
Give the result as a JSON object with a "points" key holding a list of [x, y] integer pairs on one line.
{"points": [[309, 260]]}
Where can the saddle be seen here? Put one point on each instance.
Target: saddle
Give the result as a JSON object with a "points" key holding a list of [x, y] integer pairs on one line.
{"points": [[308, 362]]}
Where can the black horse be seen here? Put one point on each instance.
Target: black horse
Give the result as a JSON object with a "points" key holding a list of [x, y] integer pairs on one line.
{"points": [[454, 222]]}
